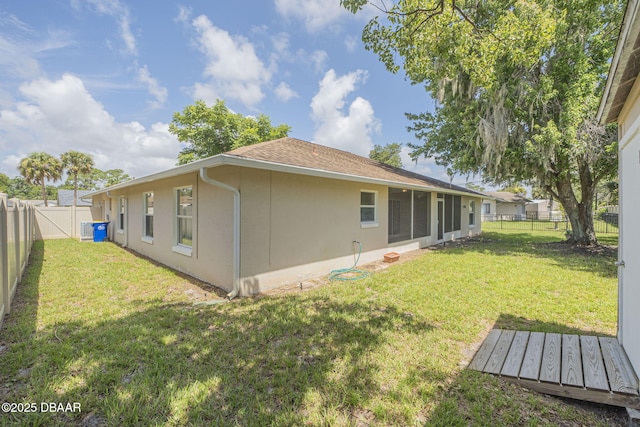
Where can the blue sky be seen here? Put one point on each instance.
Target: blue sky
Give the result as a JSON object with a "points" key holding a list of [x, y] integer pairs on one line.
{"points": [[105, 77]]}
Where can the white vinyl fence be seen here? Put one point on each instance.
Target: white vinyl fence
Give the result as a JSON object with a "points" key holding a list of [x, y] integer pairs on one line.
{"points": [[17, 226], [62, 222]]}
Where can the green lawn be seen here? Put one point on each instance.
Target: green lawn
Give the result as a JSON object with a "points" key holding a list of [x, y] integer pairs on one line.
{"points": [[97, 325]]}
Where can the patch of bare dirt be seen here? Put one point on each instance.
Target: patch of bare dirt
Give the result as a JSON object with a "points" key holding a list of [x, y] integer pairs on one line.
{"points": [[592, 250]]}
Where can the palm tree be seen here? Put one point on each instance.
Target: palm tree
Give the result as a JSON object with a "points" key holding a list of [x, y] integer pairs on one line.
{"points": [[39, 167], [75, 163]]}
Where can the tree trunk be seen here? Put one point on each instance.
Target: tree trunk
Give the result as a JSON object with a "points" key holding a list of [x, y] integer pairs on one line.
{"points": [[75, 190], [580, 214]]}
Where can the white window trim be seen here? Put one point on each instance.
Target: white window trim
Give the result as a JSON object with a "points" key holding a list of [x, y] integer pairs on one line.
{"points": [[179, 247], [374, 223], [145, 238], [122, 216], [182, 249], [474, 213]]}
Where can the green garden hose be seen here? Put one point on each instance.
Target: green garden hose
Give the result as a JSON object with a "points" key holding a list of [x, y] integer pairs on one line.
{"points": [[351, 273]]}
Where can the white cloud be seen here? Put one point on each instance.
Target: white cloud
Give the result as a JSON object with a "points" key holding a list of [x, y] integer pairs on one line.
{"points": [[184, 15], [284, 92], [234, 69], [316, 14], [281, 44], [17, 61], [350, 131], [11, 20], [281, 52], [351, 42], [155, 89], [61, 115], [20, 46], [319, 59], [120, 12]]}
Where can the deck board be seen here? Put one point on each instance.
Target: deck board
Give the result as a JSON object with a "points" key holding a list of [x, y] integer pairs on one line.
{"points": [[484, 352], [550, 366], [595, 376], [595, 369], [622, 378], [499, 353], [513, 362], [571, 361], [532, 357]]}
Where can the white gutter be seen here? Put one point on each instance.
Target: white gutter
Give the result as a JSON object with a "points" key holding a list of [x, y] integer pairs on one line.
{"points": [[236, 229]]}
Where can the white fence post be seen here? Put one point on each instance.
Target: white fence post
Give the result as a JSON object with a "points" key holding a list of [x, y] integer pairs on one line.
{"points": [[4, 273], [17, 231]]}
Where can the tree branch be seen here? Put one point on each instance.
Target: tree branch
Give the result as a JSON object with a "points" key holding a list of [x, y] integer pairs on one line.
{"points": [[432, 12]]}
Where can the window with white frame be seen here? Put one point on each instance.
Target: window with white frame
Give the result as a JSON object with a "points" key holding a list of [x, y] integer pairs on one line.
{"points": [[121, 213], [368, 213], [148, 215], [472, 212], [184, 216]]}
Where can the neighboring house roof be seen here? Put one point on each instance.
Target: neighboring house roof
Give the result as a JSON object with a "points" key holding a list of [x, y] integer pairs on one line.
{"points": [[506, 197], [65, 198], [625, 66], [305, 158]]}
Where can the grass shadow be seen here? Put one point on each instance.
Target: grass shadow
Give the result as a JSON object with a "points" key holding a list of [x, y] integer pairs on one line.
{"points": [[382, 351], [510, 321], [239, 364]]}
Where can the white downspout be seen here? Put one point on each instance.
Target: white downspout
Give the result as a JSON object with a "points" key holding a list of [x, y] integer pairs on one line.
{"points": [[236, 229]]}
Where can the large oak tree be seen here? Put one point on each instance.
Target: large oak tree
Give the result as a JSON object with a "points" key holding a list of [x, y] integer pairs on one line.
{"points": [[208, 131], [517, 83]]}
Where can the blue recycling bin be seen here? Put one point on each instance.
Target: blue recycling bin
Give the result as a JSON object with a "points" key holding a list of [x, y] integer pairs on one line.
{"points": [[100, 231]]}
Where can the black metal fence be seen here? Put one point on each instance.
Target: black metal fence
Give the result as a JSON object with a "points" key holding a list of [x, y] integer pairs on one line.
{"points": [[605, 223]]}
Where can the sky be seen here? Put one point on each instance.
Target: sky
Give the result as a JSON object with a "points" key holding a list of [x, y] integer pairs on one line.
{"points": [[106, 76]]}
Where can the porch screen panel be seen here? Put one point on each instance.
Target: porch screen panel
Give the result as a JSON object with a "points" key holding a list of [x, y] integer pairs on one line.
{"points": [[399, 215], [457, 212], [448, 213], [421, 214]]}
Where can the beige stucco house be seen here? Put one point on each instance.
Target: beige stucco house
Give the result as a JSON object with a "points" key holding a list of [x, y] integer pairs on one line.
{"points": [[282, 211], [543, 209], [621, 104], [503, 205]]}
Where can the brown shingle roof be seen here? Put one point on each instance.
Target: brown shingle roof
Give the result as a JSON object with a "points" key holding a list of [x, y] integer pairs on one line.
{"points": [[295, 152], [300, 157]]}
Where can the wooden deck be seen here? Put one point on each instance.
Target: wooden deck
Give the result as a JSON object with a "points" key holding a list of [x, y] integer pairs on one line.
{"points": [[595, 369]]}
